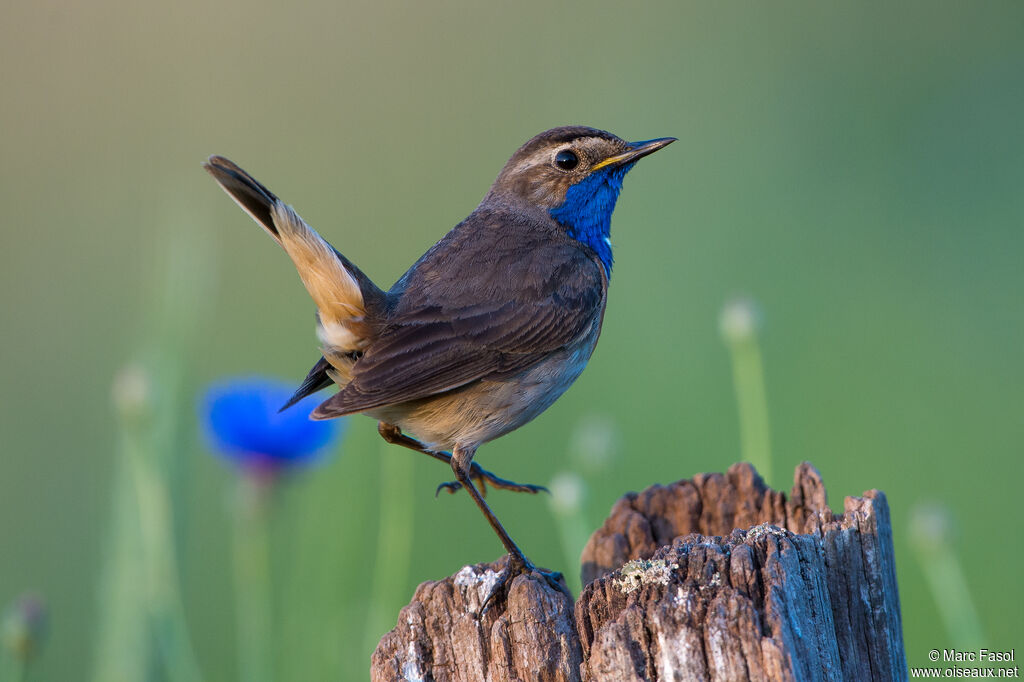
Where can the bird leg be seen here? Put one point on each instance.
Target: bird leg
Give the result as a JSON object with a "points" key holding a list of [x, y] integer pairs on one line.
{"points": [[461, 462], [392, 434]]}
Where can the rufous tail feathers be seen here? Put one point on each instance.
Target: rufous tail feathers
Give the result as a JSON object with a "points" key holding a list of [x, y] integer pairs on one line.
{"points": [[345, 298]]}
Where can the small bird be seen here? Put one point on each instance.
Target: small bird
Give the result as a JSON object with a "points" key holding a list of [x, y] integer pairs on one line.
{"points": [[488, 328]]}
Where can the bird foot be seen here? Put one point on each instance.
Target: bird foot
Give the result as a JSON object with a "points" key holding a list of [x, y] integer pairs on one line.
{"points": [[519, 565], [482, 477]]}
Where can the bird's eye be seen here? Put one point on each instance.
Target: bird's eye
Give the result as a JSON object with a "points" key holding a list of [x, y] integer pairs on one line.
{"points": [[566, 159]]}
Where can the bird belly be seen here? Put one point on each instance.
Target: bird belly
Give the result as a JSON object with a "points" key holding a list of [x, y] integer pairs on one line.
{"points": [[485, 409]]}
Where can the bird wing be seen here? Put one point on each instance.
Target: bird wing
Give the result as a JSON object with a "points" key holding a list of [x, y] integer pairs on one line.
{"points": [[476, 308]]}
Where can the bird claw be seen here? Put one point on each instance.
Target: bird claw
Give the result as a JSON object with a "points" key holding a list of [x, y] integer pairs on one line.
{"points": [[451, 486], [483, 477], [518, 565]]}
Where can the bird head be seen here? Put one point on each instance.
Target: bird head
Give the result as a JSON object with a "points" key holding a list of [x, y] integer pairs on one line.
{"points": [[575, 173]]}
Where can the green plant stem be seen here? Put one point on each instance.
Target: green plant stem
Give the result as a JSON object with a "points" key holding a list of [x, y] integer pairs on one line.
{"points": [[142, 620], [123, 645], [252, 580], [752, 404], [165, 610], [572, 528], [567, 502], [394, 543], [930, 537], [141, 626], [946, 580]]}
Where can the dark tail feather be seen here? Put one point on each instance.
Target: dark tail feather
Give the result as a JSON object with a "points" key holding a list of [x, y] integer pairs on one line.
{"points": [[249, 193], [316, 380]]}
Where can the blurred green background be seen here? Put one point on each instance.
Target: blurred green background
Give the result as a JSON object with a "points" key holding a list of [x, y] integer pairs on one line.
{"points": [[855, 168]]}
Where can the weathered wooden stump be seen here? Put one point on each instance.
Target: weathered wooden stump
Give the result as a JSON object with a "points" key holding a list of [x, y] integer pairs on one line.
{"points": [[717, 577]]}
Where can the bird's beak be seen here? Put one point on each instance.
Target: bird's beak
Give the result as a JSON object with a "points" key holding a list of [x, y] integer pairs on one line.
{"points": [[637, 150]]}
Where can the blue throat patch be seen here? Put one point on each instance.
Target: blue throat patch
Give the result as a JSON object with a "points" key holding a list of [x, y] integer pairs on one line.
{"points": [[587, 210]]}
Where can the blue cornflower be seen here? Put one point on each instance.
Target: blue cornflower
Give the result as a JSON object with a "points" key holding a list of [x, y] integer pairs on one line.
{"points": [[241, 420]]}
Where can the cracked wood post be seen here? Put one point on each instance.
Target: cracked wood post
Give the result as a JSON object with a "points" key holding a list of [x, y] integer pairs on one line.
{"points": [[717, 577]]}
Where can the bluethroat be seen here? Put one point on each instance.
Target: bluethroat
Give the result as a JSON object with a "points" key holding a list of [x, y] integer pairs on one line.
{"points": [[488, 328]]}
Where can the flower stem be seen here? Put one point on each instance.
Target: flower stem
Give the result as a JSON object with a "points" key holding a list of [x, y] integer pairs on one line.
{"points": [[394, 543], [931, 539], [748, 380], [568, 494], [739, 323], [166, 613], [252, 580]]}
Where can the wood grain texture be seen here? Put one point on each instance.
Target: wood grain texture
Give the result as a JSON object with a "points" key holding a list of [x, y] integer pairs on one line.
{"points": [[717, 577], [441, 636]]}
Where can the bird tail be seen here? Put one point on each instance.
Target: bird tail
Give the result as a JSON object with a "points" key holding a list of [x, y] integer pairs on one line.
{"points": [[347, 301]]}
